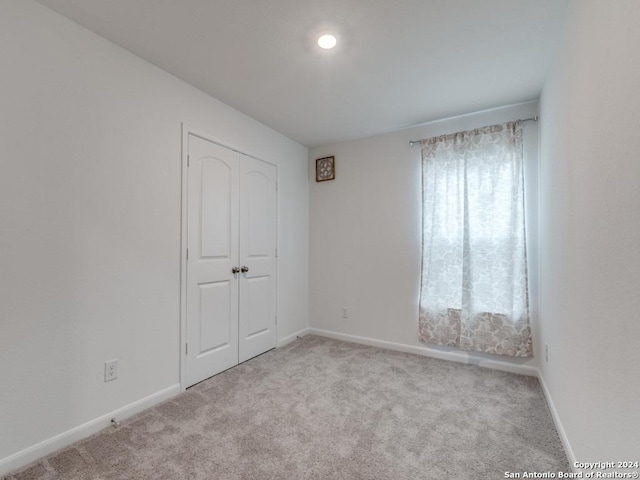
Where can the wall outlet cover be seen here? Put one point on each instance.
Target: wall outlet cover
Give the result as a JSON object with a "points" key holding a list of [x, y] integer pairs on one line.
{"points": [[110, 370]]}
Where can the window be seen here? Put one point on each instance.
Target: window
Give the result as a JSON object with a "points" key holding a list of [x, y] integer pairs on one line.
{"points": [[474, 275]]}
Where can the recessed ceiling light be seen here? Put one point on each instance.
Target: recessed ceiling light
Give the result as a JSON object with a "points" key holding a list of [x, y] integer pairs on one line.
{"points": [[327, 41]]}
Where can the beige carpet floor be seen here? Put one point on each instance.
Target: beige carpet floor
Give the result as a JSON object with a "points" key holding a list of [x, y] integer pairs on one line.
{"points": [[324, 409]]}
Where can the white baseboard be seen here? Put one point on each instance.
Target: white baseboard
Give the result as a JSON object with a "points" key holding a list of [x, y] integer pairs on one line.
{"points": [[290, 338], [556, 420], [33, 453], [430, 352]]}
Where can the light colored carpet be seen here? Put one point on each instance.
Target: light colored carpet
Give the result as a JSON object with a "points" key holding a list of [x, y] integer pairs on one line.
{"points": [[324, 409]]}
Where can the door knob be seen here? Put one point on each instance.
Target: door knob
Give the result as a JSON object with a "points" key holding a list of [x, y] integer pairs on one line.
{"points": [[244, 269], [235, 270]]}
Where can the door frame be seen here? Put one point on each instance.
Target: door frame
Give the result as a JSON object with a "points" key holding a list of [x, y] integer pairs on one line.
{"points": [[186, 131]]}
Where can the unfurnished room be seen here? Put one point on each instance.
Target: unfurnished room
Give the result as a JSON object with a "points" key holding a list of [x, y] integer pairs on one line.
{"points": [[341, 239]]}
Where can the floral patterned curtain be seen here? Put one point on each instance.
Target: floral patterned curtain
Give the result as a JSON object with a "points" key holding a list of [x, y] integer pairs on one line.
{"points": [[474, 292]]}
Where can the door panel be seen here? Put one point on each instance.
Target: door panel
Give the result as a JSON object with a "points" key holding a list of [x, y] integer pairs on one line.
{"points": [[258, 293], [258, 187], [257, 327], [214, 316], [212, 240], [216, 201]]}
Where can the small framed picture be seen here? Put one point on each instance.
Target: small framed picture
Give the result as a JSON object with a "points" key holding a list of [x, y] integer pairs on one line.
{"points": [[325, 169]]}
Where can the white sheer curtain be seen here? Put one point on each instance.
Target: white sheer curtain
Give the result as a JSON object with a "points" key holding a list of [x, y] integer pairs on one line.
{"points": [[474, 268]]}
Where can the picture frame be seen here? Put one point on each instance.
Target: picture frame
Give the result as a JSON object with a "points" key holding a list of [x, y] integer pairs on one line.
{"points": [[325, 169]]}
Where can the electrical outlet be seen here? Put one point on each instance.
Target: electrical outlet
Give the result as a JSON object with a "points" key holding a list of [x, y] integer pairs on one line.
{"points": [[345, 312], [546, 352], [110, 370]]}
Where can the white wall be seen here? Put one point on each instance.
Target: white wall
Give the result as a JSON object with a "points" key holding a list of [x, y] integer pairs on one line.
{"points": [[590, 230], [90, 152], [366, 235]]}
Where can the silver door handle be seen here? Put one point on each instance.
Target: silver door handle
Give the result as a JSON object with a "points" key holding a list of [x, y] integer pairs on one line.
{"points": [[235, 270], [244, 269]]}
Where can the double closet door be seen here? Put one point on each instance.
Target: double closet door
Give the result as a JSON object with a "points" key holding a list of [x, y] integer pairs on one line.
{"points": [[231, 258]]}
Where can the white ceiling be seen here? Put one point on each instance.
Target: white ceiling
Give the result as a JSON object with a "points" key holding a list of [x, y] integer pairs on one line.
{"points": [[398, 62]]}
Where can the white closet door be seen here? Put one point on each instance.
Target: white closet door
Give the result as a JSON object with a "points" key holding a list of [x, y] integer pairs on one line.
{"points": [[212, 238], [257, 257]]}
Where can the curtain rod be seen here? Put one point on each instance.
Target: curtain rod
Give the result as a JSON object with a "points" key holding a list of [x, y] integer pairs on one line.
{"points": [[531, 119]]}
